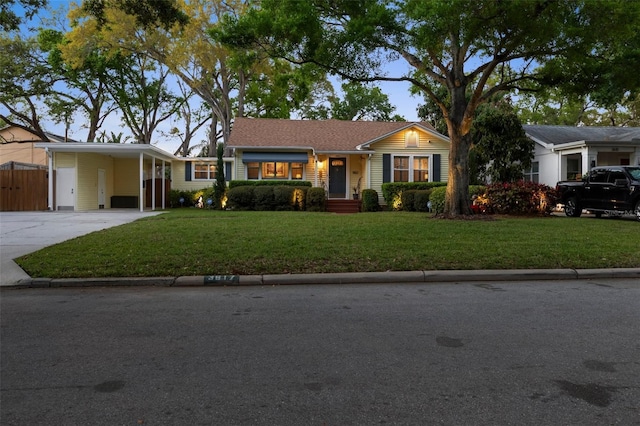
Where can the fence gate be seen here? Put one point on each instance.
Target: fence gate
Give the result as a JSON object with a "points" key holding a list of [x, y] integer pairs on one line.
{"points": [[23, 190]]}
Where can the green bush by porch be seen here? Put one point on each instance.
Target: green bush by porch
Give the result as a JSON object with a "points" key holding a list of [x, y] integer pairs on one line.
{"points": [[270, 197], [392, 191]]}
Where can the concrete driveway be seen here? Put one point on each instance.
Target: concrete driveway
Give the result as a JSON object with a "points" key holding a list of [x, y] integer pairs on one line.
{"points": [[25, 232]]}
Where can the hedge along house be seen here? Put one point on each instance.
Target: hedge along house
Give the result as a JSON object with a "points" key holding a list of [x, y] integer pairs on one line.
{"points": [[344, 157], [92, 176]]}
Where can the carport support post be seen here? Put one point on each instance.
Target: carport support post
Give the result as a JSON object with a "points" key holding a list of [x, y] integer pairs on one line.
{"points": [[50, 200], [163, 185], [153, 183], [141, 195]]}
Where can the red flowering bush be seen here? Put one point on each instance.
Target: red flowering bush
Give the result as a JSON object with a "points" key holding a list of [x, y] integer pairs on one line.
{"points": [[519, 198]]}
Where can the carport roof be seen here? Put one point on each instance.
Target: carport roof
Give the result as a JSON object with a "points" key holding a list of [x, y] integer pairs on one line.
{"points": [[113, 150]]}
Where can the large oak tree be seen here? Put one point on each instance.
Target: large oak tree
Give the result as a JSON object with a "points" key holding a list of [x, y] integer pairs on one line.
{"points": [[472, 48]]}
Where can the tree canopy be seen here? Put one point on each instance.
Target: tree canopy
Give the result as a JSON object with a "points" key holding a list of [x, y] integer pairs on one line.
{"points": [[459, 45], [10, 20]]}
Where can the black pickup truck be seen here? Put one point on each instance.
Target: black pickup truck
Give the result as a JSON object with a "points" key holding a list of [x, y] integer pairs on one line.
{"points": [[612, 190]]}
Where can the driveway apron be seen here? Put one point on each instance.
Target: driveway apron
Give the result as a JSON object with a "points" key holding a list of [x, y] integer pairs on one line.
{"points": [[25, 232]]}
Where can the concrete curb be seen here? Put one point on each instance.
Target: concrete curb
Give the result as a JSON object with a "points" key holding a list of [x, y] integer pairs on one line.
{"points": [[388, 277]]}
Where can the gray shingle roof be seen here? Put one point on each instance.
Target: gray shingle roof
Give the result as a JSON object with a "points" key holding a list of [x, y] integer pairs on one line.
{"points": [[564, 134], [321, 135]]}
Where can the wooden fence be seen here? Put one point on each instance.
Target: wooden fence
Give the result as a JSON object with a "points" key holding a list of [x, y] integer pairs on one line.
{"points": [[23, 190]]}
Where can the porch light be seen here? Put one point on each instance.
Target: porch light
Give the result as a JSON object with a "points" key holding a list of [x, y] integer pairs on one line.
{"points": [[320, 165]]}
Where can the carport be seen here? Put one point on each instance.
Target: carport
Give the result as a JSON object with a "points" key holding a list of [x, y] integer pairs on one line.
{"points": [[94, 176]]}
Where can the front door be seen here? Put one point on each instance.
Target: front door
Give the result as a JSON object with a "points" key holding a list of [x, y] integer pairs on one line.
{"points": [[102, 183], [337, 177], [66, 188]]}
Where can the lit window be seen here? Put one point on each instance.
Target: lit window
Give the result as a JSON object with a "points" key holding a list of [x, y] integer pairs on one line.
{"points": [[204, 171], [411, 168], [421, 169], [401, 169], [275, 170], [296, 171], [411, 139]]}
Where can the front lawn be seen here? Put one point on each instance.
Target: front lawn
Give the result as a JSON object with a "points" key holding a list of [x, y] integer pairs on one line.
{"points": [[201, 242]]}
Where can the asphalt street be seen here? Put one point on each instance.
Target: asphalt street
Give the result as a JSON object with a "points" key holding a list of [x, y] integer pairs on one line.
{"points": [[485, 353]]}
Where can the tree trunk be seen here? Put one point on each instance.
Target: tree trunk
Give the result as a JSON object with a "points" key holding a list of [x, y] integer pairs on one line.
{"points": [[457, 198], [457, 201]]}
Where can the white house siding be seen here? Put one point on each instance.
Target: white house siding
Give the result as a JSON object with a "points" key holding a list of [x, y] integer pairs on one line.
{"points": [[87, 189], [548, 165], [395, 144]]}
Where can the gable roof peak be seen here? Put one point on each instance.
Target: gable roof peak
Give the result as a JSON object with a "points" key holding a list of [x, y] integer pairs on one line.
{"points": [[320, 135]]}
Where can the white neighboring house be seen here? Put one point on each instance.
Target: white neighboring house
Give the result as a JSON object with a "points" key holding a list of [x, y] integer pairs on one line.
{"points": [[566, 152]]}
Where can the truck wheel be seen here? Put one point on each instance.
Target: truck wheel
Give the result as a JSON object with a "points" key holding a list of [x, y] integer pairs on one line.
{"points": [[637, 210], [572, 207]]}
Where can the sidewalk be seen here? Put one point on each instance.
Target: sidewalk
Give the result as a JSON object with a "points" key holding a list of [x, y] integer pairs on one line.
{"points": [[337, 278]]}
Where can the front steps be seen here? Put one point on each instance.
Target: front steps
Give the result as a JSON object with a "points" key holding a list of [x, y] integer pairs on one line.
{"points": [[343, 206]]}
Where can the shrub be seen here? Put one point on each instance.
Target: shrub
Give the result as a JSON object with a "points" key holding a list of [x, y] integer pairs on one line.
{"points": [[421, 200], [437, 199], [519, 198], [316, 200], [438, 195], [210, 194], [237, 183], [300, 198], [189, 198], [370, 200], [263, 198], [283, 197], [392, 191], [240, 198], [477, 190], [407, 198]]}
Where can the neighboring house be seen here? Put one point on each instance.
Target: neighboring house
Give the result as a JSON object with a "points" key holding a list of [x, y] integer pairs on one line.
{"points": [[338, 155], [18, 145], [23, 175], [566, 153]]}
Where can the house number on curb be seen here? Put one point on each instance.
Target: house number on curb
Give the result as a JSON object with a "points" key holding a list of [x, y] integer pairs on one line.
{"points": [[226, 279]]}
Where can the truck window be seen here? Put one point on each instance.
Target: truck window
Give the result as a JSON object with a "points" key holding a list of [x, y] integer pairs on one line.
{"points": [[635, 172], [598, 176], [613, 175]]}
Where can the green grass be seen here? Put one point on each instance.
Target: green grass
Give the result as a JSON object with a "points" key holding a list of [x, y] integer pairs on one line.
{"points": [[199, 242]]}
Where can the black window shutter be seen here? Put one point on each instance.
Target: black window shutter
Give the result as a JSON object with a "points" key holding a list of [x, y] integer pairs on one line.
{"points": [[386, 168], [187, 171], [436, 167], [227, 171]]}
